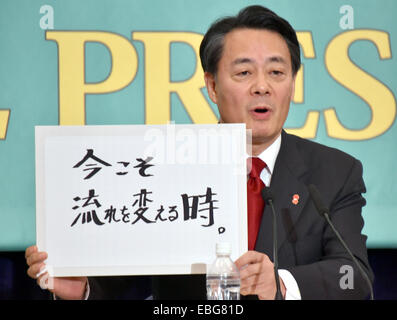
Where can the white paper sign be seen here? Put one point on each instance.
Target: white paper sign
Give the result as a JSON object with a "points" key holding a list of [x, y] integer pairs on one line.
{"points": [[139, 199]]}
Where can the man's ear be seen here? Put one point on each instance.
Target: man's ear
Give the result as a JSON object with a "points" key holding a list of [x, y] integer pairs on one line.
{"points": [[209, 79]]}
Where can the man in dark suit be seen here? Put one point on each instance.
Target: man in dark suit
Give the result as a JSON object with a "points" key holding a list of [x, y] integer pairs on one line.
{"points": [[307, 247], [250, 63]]}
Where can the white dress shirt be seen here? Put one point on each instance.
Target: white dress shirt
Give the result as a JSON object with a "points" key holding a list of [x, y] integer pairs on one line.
{"points": [[269, 156]]}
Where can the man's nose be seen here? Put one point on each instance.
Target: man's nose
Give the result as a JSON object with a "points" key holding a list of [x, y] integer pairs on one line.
{"points": [[260, 86]]}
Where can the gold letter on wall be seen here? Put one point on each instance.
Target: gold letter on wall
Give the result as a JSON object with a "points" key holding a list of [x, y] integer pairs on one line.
{"points": [[72, 85], [4, 117], [158, 86], [309, 129], [378, 97]]}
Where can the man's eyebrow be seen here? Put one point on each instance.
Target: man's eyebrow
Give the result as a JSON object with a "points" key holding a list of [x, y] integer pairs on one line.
{"points": [[278, 59], [242, 60]]}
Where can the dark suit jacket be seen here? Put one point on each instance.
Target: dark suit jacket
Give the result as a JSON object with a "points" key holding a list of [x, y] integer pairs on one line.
{"points": [[307, 247]]}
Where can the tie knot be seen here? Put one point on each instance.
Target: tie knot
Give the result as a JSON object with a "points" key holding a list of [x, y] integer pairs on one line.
{"points": [[257, 165]]}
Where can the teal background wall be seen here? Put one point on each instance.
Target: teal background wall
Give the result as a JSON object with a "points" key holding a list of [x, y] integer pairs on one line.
{"points": [[31, 86]]}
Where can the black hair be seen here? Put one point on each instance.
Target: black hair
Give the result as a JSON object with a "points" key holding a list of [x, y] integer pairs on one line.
{"points": [[252, 17]]}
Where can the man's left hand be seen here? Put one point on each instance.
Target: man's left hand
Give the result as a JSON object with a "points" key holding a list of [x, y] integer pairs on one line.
{"points": [[257, 276]]}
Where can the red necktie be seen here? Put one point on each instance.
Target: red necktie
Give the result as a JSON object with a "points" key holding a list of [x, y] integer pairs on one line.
{"points": [[254, 200]]}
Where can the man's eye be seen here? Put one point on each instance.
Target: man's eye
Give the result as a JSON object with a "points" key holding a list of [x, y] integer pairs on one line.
{"points": [[276, 72], [243, 73]]}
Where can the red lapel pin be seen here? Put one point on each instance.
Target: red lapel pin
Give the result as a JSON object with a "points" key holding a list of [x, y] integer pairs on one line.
{"points": [[295, 199]]}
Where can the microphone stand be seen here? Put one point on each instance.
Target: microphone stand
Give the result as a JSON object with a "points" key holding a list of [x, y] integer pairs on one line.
{"points": [[363, 273], [268, 197], [324, 211]]}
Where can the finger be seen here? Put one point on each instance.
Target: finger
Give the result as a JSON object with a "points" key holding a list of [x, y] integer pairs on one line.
{"points": [[35, 269], [256, 275], [250, 257], [248, 287], [261, 284], [250, 270], [254, 281], [251, 289], [36, 258], [30, 250], [45, 281], [264, 267]]}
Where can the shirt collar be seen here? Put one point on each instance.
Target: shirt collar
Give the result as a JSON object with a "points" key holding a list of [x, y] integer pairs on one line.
{"points": [[269, 155]]}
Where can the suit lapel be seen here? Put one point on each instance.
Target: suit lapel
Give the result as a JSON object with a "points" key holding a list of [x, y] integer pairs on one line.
{"points": [[286, 182]]}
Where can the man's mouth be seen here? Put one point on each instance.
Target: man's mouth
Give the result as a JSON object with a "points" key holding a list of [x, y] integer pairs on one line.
{"points": [[261, 110], [261, 113]]}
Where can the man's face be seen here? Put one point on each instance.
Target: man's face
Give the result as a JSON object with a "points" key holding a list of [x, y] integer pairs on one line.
{"points": [[254, 83]]}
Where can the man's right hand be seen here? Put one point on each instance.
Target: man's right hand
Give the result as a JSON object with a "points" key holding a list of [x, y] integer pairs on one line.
{"points": [[68, 288]]}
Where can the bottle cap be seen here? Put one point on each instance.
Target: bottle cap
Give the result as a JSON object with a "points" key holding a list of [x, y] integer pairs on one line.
{"points": [[223, 248]]}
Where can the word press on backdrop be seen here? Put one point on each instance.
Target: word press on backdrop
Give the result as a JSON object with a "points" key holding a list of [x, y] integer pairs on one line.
{"points": [[136, 62]]}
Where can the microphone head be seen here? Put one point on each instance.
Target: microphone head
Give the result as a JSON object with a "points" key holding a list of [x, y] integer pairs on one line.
{"points": [[267, 195], [322, 209]]}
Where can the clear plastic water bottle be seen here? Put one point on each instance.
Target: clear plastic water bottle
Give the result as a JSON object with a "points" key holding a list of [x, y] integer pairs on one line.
{"points": [[223, 277]]}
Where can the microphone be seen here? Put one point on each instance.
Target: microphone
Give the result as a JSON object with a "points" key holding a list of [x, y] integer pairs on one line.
{"points": [[324, 212], [267, 196]]}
